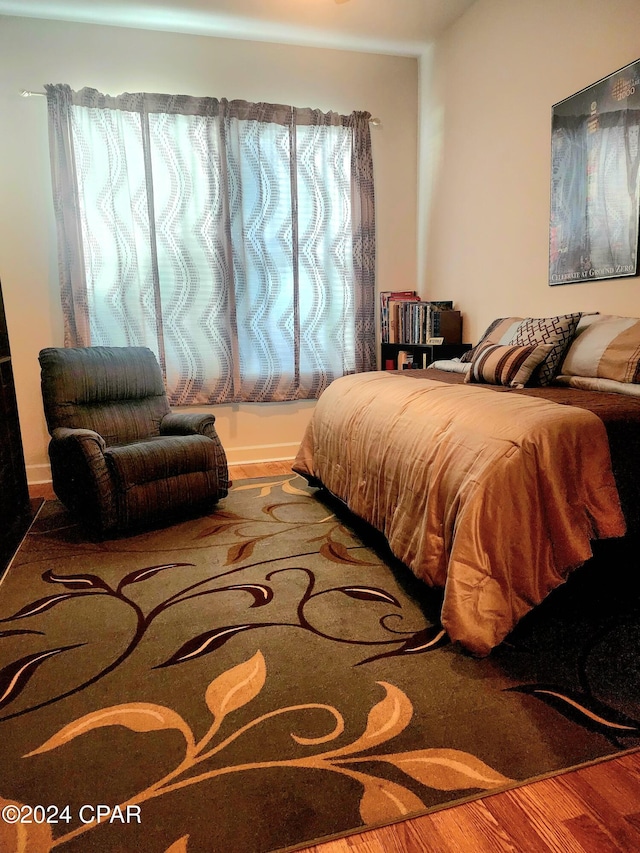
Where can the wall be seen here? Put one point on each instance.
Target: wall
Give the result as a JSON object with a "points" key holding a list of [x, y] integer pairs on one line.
{"points": [[113, 60], [497, 72]]}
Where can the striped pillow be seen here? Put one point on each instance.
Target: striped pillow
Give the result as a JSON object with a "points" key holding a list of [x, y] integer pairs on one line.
{"points": [[497, 364], [608, 347]]}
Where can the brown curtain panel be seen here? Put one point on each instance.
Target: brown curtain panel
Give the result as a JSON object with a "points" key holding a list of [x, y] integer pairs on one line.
{"points": [[236, 240]]}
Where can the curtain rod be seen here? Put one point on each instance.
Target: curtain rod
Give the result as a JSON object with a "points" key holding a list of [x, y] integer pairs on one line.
{"points": [[25, 93]]}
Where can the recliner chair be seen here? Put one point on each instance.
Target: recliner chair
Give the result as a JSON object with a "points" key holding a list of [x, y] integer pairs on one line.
{"points": [[120, 458]]}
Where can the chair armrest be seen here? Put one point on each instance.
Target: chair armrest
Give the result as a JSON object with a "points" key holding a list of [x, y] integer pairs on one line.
{"points": [[188, 423], [66, 434], [81, 478], [193, 423]]}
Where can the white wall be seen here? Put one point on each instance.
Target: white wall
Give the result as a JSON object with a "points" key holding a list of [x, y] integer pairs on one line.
{"points": [[497, 73], [113, 60]]}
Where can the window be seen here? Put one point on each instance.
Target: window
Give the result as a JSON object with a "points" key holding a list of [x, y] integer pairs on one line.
{"points": [[235, 240]]}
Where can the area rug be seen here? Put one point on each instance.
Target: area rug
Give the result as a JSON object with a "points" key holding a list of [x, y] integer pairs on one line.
{"points": [[267, 676]]}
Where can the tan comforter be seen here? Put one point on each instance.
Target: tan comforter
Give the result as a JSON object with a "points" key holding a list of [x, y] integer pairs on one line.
{"points": [[494, 497]]}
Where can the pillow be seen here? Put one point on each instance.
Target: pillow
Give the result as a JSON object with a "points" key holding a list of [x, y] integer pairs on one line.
{"points": [[499, 364], [557, 331], [590, 383], [500, 332], [606, 348], [452, 365]]}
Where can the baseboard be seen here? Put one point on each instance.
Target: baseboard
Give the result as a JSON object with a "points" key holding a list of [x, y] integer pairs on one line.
{"points": [[249, 454], [38, 475]]}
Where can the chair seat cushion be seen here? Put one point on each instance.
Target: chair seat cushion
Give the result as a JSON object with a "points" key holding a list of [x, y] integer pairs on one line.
{"points": [[159, 458]]}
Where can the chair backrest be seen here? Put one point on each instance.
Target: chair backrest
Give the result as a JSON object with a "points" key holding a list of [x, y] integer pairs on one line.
{"points": [[116, 391]]}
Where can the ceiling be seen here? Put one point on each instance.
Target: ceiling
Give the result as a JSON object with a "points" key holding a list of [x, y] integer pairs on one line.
{"points": [[402, 27]]}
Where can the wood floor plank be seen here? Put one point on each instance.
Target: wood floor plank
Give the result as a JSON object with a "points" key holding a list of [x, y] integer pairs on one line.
{"points": [[594, 837], [42, 490], [405, 837], [566, 803], [369, 843], [260, 469], [631, 762], [474, 828], [616, 784], [509, 810], [547, 811], [633, 820], [606, 799], [340, 845]]}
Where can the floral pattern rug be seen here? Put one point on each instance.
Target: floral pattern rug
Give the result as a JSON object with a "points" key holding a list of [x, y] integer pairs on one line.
{"points": [[268, 676]]}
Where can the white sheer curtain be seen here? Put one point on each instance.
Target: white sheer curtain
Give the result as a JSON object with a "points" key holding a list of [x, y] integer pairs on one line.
{"points": [[235, 240]]}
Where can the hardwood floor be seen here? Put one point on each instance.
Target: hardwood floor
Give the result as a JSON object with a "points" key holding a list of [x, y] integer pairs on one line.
{"points": [[259, 469], [592, 810]]}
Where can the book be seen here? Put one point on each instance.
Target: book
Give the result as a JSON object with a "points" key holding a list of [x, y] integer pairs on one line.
{"points": [[418, 322], [387, 296], [402, 317], [407, 319]]}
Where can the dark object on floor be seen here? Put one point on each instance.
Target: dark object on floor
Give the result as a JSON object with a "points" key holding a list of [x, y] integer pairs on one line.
{"points": [[120, 458], [15, 508]]}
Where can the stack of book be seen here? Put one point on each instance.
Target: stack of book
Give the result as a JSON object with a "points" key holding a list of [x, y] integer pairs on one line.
{"points": [[407, 319]]}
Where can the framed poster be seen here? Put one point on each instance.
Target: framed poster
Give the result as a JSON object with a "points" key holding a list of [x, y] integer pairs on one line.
{"points": [[595, 154]]}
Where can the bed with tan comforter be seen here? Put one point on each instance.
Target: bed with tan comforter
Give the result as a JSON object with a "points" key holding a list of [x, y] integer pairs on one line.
{"points": [[494, 497]]}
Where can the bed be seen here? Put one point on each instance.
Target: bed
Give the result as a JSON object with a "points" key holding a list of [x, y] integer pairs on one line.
{"points": [[490, 490]]}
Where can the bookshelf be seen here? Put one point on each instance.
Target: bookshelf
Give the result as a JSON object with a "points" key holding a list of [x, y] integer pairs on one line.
{"points": [[408, 326]]}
